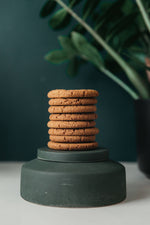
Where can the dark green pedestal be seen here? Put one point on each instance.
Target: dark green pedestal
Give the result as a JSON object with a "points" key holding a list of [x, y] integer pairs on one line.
{"points": [[73, 179]]}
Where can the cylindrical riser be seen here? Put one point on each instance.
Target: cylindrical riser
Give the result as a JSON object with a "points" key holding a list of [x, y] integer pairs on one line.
{"points": [[73, 184]]}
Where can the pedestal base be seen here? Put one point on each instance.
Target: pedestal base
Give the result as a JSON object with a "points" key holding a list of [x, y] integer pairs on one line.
{"points": [[73, 179]]}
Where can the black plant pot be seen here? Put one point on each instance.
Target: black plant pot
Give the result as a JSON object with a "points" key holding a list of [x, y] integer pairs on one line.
{"points": [[142, 108]]}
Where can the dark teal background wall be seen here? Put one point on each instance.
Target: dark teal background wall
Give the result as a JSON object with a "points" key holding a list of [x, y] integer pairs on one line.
{"points": [[25, 79]]}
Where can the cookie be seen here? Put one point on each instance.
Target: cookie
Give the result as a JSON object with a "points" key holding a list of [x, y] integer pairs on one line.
{"points": [[75, 116], [72, 109], [71, 124], [72, 139], [62, 93], [74, 132], [73, 101], [72, 146]]}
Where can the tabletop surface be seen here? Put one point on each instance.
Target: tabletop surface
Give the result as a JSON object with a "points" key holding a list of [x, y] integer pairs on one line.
{"points": [[16, 211]]}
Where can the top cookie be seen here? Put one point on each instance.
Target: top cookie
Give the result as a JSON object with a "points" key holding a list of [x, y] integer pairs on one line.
{"points": [[62, 93]]}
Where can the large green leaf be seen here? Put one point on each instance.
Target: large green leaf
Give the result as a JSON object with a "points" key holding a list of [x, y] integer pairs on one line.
{"points": [[89, 7], [48, 8], [60, 19], [57, 56], [67, 44], [86, 50]]}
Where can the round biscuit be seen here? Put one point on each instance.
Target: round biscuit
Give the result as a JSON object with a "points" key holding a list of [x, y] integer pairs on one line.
{"points": [[70, 124], [72, 101], [72, 109], [71, 139], [74, 132], [81, 93], [74, 116], [72, 146]]}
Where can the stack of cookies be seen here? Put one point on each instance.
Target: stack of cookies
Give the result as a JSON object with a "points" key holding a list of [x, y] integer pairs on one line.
{"points": [[72, 125]]}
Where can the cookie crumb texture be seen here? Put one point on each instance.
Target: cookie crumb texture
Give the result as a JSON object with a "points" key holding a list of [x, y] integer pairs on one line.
{"points": [[75, 116], [72, 109], [72, 146], [82, 93], [74, 132], [72, 101], [72, 125], [71, 139]]}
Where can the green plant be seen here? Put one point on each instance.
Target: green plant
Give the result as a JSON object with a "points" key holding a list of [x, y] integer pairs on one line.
{"points": [[104, 46]]}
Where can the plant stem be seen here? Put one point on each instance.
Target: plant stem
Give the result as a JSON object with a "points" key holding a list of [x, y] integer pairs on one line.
{"points": [[132, 93], [144, 14], [134, 77]]}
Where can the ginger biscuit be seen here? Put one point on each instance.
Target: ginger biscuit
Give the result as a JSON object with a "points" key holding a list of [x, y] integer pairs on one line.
{"points": [[72, 146], [72, 101], [62, 93], [75, 116], [72, 109], [74, 132], [71, 124], [72, 139]]}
